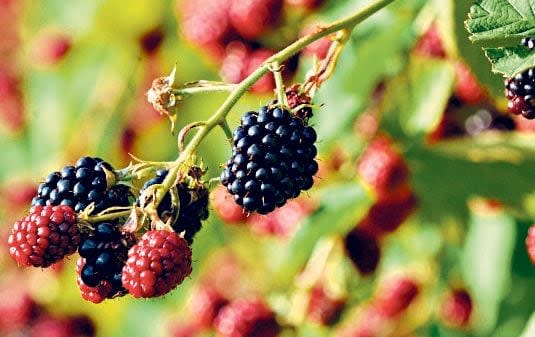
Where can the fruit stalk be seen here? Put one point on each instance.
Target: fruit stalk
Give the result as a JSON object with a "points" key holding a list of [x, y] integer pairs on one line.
{"points": [[218, 118]]}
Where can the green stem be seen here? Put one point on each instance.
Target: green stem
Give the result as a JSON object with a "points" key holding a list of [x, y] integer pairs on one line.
{"points": [[279, 84], [239, 90], [201, 89], [226, 129], [106, 217]]}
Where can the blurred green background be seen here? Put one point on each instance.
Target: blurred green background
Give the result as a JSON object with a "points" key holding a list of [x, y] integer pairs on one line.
{"points": [[91, 101]]}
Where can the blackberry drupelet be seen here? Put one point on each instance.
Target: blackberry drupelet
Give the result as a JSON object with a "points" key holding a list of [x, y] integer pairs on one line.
{"points": [[528, 42], [104, 254], [193, 206], [520, 91], [80, 185], [272, 159]]}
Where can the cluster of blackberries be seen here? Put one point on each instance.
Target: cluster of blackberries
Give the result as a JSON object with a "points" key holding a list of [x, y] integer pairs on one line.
{"points": [[80, 185], [113, 262], [192, 206], [103, 253], [520, 91], [272, 159]]}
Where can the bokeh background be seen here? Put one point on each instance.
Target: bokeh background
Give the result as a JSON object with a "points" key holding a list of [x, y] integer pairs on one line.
{"points": [[73, 78]]}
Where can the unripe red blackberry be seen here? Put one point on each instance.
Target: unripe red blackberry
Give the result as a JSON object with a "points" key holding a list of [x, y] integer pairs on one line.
{"points": [[206, 24], [363, 250], [283, 221], [44, 237], [530, 243], [49, 48], [246, 318], [225, 207], [272, 159], [253, 18], [96, 294], [382, 167], [387, 214], [80, 185], [456, 308], [103, 255], [324, 308], [17, 309], [192, 207], [158, 263], [467, 87], [520, 91], [48, 326], [205, 303], [430, 44], [395, 295]]}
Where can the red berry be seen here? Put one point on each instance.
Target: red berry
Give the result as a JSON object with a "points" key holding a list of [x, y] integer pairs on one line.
{"points": [[225, 207], [530, 243], [387, 214], [48, 326], [363, 250], [318, 48], [253, 18], [205, 304], [11, 101], [369, 323], [305, 4], [206, 24], [234, 66], [158, 263], [45, 236], [395, 296], [456, 308], [49, 48], [467, 87], [324, 308], [283, 221], [246, 318], [430, 44], [17, 309], [92, 294], [382, 167]]}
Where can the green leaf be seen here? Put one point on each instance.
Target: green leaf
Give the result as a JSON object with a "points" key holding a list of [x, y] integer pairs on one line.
{"points": [[445, 179], [487, 264], [341, 206], [501, 19], [417, 97], [503, 22], [510, 60]]}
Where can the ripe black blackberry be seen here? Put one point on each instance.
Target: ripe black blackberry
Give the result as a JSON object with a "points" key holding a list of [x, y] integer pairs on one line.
{"points": [[193, 206], [105, 252], [80, 185], [528, 42], [520, 91], [272, 159]]}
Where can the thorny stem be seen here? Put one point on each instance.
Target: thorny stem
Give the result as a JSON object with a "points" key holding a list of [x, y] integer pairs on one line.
{"points": [[276, 68], [240, 89], [105, 217]]}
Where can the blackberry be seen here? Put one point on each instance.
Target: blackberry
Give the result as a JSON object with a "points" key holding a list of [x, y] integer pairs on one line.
{"points": [[272, 159], [193, 206], [246, 318], [104, 254], [520, 91], [158, 263], [80, 185], [44, 237], [528, 42]]}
